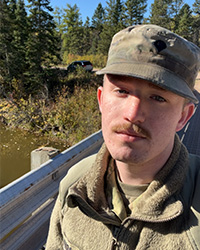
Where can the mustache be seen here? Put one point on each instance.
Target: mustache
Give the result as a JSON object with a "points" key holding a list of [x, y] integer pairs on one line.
{"points": [[132, 128]]}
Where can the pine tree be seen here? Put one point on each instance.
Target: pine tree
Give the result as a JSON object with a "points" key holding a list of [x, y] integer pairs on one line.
{"points": [[13, 7], [17, 30], [58, 19], [185, 22], [159, 13], [5, 39], [98, 20], [42, 43], [196, 7], [116, 17], [174, 10], [13, 36], [176, 6], [20, 35], [113, 23], [72, 32], [196, 22], [7, 46], [134, 11], [87, 38]]}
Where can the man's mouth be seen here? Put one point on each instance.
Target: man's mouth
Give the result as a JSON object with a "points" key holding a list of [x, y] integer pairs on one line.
{"points": [[132, 130], [125, 132]]}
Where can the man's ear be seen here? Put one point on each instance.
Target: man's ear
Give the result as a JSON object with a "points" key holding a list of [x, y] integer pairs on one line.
{"points": [[187, 113], [100, 97]]}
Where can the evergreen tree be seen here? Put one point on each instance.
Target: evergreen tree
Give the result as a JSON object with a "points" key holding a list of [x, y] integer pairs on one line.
{"points": [[7, 20], [196, 7], [58, 19], [20, 35], [16, 55], [87, 39], [42, 43], [112, 24], [4, 38], [13, 37], [196, 22], [72, 31], [98, 18], [134, 11], [117, 16], [175, 8], [97, 26], [159, 13], [13, 7], [185, 22]]}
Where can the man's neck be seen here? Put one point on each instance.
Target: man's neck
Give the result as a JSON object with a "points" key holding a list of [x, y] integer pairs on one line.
{"points": [[134, 176], [138, 174]]}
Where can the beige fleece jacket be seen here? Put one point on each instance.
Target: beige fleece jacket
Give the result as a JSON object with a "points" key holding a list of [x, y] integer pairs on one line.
{"points": [[166, 216]]}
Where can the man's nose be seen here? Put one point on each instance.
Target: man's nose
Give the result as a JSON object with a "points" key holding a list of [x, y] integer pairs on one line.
{"points": [[134, 110]]}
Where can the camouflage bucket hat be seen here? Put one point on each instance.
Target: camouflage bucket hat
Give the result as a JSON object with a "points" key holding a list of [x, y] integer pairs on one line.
{"points": [[155, 54]]}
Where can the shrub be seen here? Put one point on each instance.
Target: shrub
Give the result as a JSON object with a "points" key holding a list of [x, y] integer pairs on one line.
{"points": [[98, 61], [72, 114]]}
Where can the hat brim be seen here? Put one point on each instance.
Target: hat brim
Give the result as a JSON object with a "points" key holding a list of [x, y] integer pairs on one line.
{"points": [[154, 73]]}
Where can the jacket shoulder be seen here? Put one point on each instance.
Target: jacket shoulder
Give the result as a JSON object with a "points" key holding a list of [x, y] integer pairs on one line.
{"points": [[74, 174], [192, 179], [194, 161], [190, 195]]}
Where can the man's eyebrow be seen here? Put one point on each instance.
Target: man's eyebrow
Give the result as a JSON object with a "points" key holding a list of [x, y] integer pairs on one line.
{"points": [[153, 86]]}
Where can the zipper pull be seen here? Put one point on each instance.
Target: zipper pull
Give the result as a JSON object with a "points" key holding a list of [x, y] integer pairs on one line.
{"points": [[115, 244]]}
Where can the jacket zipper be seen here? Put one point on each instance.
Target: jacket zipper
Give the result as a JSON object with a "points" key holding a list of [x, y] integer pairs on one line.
{"points": [[115, 243]]}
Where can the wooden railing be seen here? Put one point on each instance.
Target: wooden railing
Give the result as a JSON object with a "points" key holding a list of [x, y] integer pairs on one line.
{"points": [[26, 204]]}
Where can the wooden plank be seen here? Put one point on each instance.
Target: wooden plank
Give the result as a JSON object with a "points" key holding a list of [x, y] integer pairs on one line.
{"points": [[21, 198]]}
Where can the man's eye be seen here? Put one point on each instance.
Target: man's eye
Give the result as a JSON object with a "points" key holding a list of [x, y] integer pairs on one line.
{"points": [[122, 91], [158, 98]]}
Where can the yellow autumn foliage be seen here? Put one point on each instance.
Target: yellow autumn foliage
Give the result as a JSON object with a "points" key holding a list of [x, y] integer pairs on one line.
{"points": [[70, 115]]}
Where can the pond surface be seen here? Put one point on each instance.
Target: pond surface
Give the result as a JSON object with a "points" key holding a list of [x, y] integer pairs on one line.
{"points": [[15, 151]]}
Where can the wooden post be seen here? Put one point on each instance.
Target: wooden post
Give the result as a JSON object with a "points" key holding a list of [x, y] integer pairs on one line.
{"points": [[41, 155]]}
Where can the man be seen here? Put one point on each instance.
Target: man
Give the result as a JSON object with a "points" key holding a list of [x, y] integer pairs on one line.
{"points": [[141, 191]]}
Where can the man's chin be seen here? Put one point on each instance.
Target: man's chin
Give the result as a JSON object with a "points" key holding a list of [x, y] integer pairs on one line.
{"points": [[128, 157]]}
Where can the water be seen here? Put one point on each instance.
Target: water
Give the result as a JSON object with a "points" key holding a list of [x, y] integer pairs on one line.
{"points": [[15, 151]]}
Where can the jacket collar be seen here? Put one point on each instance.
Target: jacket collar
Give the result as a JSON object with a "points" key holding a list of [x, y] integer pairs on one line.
{"points": [[158, 203]]}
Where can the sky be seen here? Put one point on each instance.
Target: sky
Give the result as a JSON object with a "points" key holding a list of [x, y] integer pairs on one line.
{"points": [[87, 7]]}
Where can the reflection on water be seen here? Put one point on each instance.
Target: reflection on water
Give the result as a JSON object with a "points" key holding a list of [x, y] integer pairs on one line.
{"points": [[15, 150]]}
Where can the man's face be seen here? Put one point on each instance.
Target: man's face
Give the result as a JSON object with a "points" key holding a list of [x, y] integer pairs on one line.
{"points": [[139, 119]]}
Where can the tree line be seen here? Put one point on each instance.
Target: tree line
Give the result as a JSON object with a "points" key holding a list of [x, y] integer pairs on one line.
{"points": [[35, 37], [94, 36]]}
